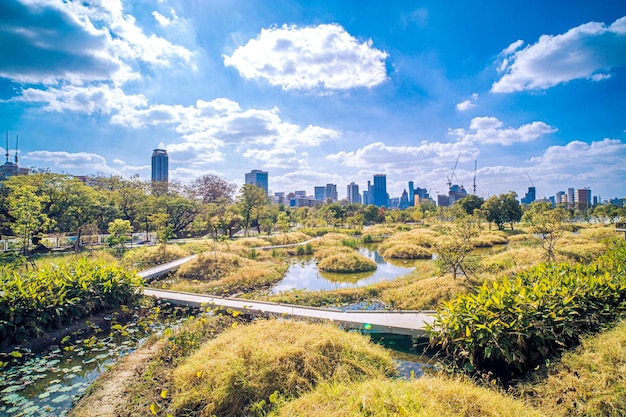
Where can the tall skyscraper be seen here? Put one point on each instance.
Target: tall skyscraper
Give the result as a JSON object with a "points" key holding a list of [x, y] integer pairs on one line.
{"points": [[411, 194], [583, 198], [320, 193], [353, 193], [331, 192], [258, 178], [570, 198], [160, 166], [380, 196], [530, 196]]}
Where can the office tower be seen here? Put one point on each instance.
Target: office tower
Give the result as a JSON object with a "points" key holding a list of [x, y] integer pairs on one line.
{"points": [[404, 200], [570, 198], [160, 166], [411, 194], [561, 197], [530, 196], [380, 196], [320, 193], [353, 193], [583, 198], [258, 178], [331, 192]]}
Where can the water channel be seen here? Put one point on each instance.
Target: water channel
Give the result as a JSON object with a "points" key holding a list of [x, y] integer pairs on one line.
{"points": [[304, 275]]}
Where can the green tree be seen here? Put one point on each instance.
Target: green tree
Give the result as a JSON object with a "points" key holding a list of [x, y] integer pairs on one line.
{"points": [[454, 248], [282, 222], [373, 214], [26, 208], [548, 224], [251, 201], [503, 209], [470, 203], [119, 230]]}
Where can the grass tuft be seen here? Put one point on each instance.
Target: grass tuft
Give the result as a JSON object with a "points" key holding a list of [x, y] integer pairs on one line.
{"points": [[236, 373], [346, 262]]}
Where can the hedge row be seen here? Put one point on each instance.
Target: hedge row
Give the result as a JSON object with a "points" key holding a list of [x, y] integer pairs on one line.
{"points": [[515, 324], [32, 303]]}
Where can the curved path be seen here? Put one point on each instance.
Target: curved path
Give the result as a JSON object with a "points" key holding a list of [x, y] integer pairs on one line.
{"points": [[410, 323]]}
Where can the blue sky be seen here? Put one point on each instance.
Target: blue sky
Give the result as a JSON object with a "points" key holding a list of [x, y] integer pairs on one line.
{"points": [[319, 92]]}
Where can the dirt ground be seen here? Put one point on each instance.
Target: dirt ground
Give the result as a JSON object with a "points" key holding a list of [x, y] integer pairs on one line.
{"points": [[107, 398]]}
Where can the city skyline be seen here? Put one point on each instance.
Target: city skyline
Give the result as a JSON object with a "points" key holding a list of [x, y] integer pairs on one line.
{"points": [[322, 92]]}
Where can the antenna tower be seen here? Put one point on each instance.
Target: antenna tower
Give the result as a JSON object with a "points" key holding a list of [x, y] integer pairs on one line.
{"points": [[17, 142], [475, 163], [7, 148]]}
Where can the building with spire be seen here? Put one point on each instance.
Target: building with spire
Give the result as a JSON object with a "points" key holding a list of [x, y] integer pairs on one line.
{"points": [[10, 169]]}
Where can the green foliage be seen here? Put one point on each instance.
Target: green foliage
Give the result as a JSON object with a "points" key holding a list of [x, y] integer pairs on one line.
{"points": [[503, 208], [515, 324], [118, 233], [454, 248], [34, 302]]}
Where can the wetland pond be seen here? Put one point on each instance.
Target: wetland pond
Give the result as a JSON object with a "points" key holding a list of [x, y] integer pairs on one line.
{"points": [[304, 275]]}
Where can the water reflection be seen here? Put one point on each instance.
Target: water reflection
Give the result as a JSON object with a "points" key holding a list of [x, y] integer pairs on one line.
{"points": [[304, 275]]}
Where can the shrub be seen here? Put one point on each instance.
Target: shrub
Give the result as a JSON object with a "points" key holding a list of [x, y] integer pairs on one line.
{"points": [[57, 294], [147, 257], [514, 324], [241, 371], [346, 262]]}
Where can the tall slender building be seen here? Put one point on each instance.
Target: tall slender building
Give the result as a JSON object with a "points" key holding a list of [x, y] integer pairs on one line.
{"points": [[353, 193], [258, 178], [331, 192], [380, 196], [160, 166]]}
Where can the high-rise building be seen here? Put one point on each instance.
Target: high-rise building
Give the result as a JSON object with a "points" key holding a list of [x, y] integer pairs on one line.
{"points": [[160, 166], [583, 198], [380, 196], [404, 200], [353, 193], [368, 197], [561, 197], [258, 178], [411, 194], [331, 192], [320, 193], [570, 198], [530, 196]]}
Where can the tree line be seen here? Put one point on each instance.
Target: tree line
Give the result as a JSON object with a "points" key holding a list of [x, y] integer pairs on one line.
{"points": [[40, 204]]}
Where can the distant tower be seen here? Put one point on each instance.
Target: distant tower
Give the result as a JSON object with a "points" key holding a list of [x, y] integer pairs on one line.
{"points": [[353, 193], [160, 166], [380, 196], [258, 178], [331, 192]]}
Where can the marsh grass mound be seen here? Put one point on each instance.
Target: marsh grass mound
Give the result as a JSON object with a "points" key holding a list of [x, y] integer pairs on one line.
{"points": [[589, 381], [241, 371], [407, 251], [326, 251], [424, 294], [426, 396], [147, 257], [289, 238], [211, 266], [346, 262]]}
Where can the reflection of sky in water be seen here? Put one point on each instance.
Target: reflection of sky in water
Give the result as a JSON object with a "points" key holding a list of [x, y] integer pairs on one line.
{"points": [[304, 275]]}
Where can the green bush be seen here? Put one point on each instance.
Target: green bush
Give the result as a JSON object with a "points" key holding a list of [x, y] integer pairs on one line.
{"points": [[37, 301], [513, 325]]}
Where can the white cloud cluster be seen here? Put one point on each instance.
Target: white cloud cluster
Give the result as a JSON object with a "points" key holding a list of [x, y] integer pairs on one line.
{"points": [[488, 130], [324, 57], [77, 42], [467, 104], [83, 163], [588, 51], [209, 126], [89, 99]]}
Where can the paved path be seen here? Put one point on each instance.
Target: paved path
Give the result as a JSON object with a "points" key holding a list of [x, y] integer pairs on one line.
{"points": [[152, 273], [410, 323]]}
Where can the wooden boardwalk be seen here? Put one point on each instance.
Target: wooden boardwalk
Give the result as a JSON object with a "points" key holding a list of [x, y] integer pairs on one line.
{"points": [[152, 273], [408, 323]]}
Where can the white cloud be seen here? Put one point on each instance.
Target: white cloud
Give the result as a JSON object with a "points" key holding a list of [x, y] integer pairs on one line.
{"points": [[385, 157], [467, 104], [80, 163], [161, 20], [588, 51], [323, 57], [89, 99], [488, 130]]}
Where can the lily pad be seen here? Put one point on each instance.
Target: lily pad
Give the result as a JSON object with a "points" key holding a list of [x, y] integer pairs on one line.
{"points": [[61, 398]]}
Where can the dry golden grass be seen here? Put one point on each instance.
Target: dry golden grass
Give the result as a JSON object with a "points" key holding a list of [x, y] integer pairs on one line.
{"points": [[598, 232], [511, 261], [406, 251], [590, 381], [346, 262], [147, 257], [289, 238], [496, 238], [482, 242], [330, 239], [379, 230], [423, 397], [579, 252], [249, 276], [419, 237], [424, 294], [228, 376], [251, 242], [326, 251], [211, 266]]}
